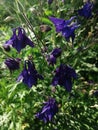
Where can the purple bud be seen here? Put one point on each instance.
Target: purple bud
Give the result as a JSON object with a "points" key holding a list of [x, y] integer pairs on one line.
{"points": [[12, 64]]}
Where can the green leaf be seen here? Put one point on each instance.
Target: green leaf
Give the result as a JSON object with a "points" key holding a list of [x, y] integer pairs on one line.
{"points": [[46, 20]]}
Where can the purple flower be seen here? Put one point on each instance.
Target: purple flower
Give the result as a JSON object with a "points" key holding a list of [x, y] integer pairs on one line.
{"points": [[49, 1], [48, 111], [69, 31], [29, 75], [61, 23], [54, 54], [12, 64], [19, 40], [63, 77], [51, 59], [86, 11], [65, 27]]}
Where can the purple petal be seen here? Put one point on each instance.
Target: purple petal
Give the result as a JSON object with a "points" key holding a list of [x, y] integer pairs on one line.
{"points": [[68, 85]]}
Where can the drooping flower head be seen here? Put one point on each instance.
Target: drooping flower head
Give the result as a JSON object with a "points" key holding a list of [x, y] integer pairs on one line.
{"points": [[69, 32], [19, 40], [54, 55], [29, 75], [12, 64], [63, 77], [61, 23], [65, 27], [48, 111], [56, 52], [86, 11]]}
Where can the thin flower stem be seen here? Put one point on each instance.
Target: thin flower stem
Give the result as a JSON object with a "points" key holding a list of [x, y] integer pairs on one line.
{"points": [[31, 28], [29, 24]]}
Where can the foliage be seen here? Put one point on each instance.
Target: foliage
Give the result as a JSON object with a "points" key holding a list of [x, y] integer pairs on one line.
{"points": [[77, 110]]}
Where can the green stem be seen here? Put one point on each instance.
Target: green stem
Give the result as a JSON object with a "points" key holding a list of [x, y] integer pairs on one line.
{"points": [[1, 49], [29, 25]]}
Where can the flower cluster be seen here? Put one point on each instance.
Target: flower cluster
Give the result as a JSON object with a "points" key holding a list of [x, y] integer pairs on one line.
{"points": [[66, 28], [64, 74], [48, 111]]}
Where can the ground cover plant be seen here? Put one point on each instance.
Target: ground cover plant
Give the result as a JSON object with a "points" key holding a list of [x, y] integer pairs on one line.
{"points": [[49, 65]]}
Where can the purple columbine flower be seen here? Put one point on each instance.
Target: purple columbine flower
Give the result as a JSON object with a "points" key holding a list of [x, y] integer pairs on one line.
{"points": [[61, 23], [86, 11], [63, 77], [54, 55], [65, 27], [69, 32], [12, 64], [19, 40], [48, 111], [51, 59], [29, 75]]}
